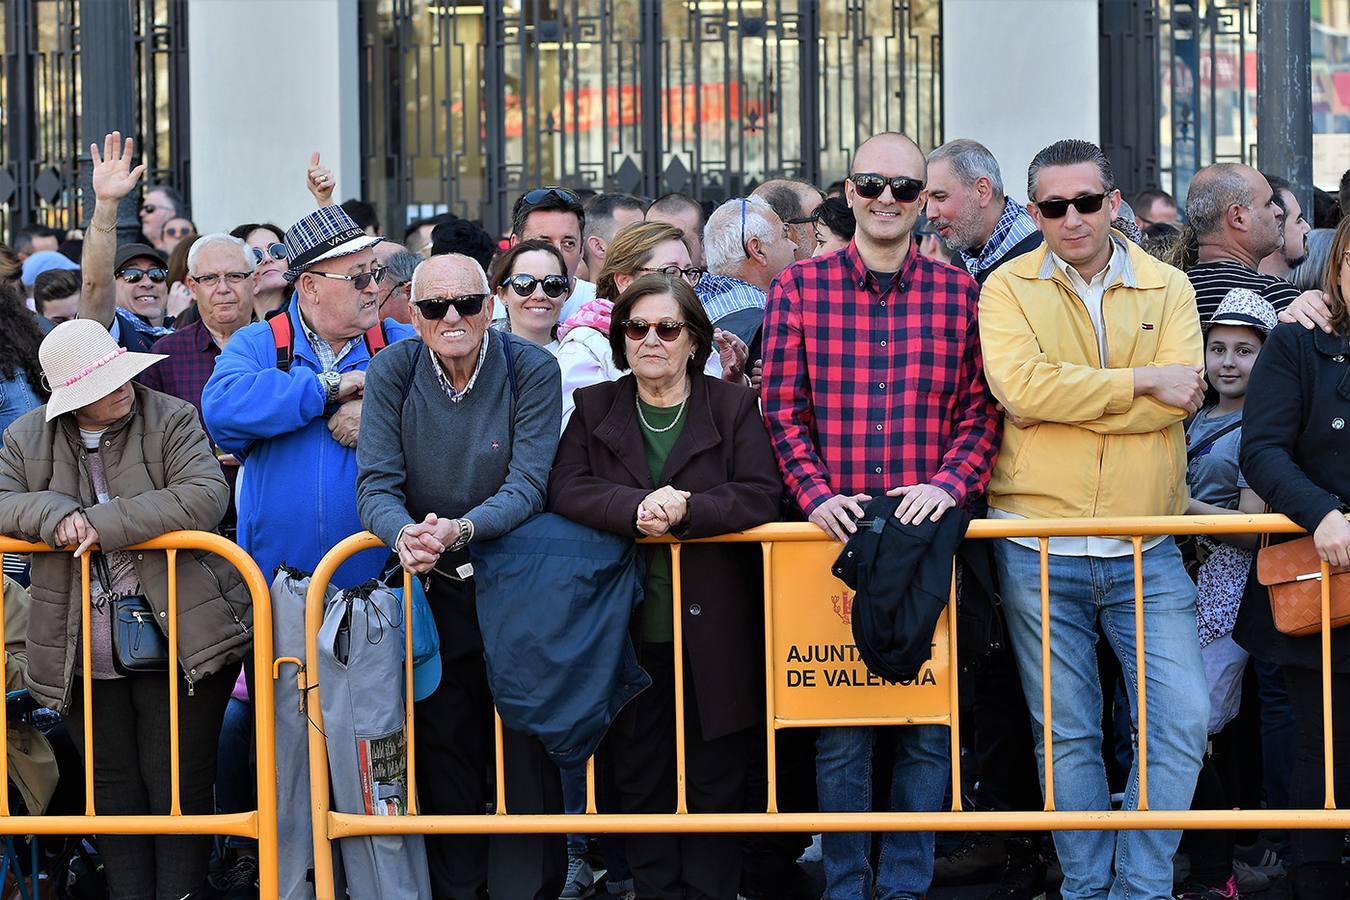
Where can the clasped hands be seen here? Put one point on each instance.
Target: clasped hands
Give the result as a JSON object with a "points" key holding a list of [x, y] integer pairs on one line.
{"points": [[838, 516], [422, 543], [661, 510], [75, 529]]}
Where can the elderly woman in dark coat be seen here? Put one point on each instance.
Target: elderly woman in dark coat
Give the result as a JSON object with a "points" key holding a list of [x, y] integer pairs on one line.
{"points": [[668, 449]]}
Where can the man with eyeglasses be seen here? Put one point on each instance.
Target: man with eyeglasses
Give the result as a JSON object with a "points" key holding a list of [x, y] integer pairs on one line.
{"points": [[747, 246], [873, 384], [399, 266], [285, 398], [161, 204], [556, 215], [795, 203], [125, 288], [459, 441], [1094, 350]]}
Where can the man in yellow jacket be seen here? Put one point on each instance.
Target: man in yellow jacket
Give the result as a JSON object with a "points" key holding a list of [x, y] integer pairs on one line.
{"points": [[1094, 350]]}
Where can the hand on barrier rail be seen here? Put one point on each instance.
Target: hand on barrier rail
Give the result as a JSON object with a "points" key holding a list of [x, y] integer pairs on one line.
{"points": [[922, 501], [662, 510], [1332, 538], [838, 516], [75, 530]]}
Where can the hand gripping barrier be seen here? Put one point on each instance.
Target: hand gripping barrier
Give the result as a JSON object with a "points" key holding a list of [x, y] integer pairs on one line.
{"points": [[796, 560], [259, 824]]}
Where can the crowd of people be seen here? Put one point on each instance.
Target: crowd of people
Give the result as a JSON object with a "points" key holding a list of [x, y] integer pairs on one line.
{"points": [[910, 346]]}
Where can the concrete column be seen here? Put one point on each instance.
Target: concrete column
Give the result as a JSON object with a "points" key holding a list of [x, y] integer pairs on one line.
{"points": [[271, 81], [1018, 76]]}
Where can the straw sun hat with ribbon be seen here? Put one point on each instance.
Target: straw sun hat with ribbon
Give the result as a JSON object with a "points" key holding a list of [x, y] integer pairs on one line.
{"points": [[82, 364]]}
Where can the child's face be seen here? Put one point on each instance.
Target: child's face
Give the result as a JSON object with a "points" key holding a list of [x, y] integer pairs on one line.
{"points": [[1230, 351]]}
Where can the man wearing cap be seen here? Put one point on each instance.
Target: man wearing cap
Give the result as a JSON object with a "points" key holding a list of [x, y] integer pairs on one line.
{"points": [[285, 398], [45, 261], [125, 288]]}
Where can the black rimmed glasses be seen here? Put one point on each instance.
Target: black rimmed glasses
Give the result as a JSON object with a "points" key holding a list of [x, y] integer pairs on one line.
{"points": [[435, 308], [691, 275], [211, 279]]}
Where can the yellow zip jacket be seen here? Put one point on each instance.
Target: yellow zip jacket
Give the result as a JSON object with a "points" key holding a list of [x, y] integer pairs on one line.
{"points": [[1090, 448]]}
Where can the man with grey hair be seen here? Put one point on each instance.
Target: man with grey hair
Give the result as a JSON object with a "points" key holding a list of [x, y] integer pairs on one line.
{"points": [[795, 202], [399, 266], [747, 245], [606, 216], [456, 388], [686, 214], [968, 209], [1233, 221]]}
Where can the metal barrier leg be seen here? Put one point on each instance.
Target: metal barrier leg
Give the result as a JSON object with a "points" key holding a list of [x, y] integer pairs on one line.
{"points": [[1328, 745], [1047, 729], [681, 782], [954, 696], [1140, 680], [770, 688]]}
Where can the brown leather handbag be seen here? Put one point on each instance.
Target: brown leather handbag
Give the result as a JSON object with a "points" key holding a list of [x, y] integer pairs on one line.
{"points": [[1292, 571]]}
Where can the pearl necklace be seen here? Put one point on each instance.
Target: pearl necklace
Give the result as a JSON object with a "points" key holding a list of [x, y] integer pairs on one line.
{"points": [[637, 401]]}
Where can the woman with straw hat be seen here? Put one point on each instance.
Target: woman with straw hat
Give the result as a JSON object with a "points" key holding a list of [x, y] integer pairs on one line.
{"points": [[108, 463]]}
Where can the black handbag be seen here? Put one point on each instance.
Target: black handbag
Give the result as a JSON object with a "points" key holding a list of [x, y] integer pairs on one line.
{"points": [[139, 645]]}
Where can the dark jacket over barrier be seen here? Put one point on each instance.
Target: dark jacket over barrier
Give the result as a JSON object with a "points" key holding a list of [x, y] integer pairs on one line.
{"points": [[1296, 456], [163, 477], [903, 576], [724, 459], [554, 602]]}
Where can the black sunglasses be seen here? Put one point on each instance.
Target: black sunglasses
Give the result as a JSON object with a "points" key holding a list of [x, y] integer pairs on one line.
{"points": [[870, 185], [539, 195], [276, 250], [359, 281], [554, 285], [134, 276], [434, 308], [638, 329], [1058, 209]]}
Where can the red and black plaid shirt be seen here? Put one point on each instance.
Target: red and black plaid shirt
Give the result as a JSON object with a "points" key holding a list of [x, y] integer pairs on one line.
{"points": [[867, 389]]}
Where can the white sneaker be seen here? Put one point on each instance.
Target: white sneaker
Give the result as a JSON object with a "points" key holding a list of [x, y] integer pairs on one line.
{"points": [[1249, 878]]}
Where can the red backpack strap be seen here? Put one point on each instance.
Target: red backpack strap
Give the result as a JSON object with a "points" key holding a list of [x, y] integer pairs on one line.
{"points": [[283, 337], [376, 339]]}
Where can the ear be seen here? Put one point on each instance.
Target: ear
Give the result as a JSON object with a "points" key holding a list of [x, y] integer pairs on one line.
{"points": [[754, 250], [515, 239], [1236, 217], [1113, 199], [984, 190], [595, 246], [1035, 212], [490, 305]]}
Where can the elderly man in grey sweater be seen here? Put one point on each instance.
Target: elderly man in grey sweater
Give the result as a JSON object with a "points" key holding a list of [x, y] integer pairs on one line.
{"points": [[458, 434]]}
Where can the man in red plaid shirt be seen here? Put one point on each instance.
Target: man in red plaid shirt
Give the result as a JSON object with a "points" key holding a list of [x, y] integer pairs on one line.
{"points": [[873, 382]]}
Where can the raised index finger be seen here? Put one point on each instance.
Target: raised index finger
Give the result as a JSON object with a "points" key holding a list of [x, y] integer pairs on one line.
{"points": [[314, 159]]}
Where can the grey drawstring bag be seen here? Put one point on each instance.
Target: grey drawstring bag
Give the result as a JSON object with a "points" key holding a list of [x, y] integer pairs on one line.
{"points": [[295, 841], [361, 688]]}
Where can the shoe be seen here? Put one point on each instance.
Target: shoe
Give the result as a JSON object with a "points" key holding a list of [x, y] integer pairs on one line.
{"points": [[1259, 856], [241, 880], [1250, 878], [1199, 892], [979, 858], [791, 883], [580, 882], [1024, 877], [622, 888]]}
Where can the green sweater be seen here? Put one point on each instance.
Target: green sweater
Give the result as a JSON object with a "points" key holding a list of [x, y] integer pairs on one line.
{"points": [[657, 624]]}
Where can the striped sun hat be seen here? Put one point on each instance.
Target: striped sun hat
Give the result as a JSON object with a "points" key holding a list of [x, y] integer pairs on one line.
{"points": [[326, 233]]}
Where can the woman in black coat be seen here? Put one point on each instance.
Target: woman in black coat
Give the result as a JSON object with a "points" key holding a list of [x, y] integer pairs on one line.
{"points": [[1296, 454], [667, 449]]}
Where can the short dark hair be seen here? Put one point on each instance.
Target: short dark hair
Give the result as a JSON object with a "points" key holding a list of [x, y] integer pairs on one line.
{"points": [[1326, 209], [23, 237], [836, 215], [1070, 152], [674, 201], [465, 237], [1343, 196], [554, 200], [243, 231], [690, 308], [1144, 200], [503, 264], [363, 214], [836, 187], [600, 211], [783, 200], [55, 284], [1278, 184], [433, 221]]}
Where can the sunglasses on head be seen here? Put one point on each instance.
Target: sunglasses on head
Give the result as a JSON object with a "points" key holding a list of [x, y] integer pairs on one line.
{"points": [[539, 195], [275, 250], [870, 186], [134, 276], [1058, 209], [554, 285], [435, 308], [638, 329]]}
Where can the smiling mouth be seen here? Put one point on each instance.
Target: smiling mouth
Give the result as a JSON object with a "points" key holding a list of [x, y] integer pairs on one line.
{"points": [[453, 333]]}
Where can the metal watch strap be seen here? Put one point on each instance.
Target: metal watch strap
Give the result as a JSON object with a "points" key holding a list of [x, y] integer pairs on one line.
{"points": [[332, 383], [465, 535]]}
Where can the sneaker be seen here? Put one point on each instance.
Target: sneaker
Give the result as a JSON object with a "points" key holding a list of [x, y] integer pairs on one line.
{"points": [[580, 882], [241, 880], [1250, 878], [622, 888], [1023, 879], [1260, 856], [980, 858], [1199, 892]]}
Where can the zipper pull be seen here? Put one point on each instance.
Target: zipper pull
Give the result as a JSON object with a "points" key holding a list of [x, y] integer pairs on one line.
{"points": [[192, 688]]}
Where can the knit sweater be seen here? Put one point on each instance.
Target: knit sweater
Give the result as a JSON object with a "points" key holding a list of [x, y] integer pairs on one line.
{"points": [[485, 457]]}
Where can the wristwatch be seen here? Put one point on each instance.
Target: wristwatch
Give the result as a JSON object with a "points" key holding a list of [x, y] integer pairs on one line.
{"points": [[465, 535], [332, 382]]}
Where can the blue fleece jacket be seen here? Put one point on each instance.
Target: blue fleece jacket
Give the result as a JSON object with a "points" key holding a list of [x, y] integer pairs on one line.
{"points": [[297, 496]]}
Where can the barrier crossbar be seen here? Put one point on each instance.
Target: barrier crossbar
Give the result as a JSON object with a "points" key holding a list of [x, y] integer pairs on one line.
{"points": [[788, 544], [259, 824]]}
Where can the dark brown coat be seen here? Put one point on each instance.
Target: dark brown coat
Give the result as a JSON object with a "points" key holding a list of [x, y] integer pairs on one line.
{"points": [[162, 477], [723, 458]]}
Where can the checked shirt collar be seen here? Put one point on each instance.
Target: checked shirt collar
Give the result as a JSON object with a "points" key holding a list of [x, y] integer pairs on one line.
{"points": [[1013, 227]]}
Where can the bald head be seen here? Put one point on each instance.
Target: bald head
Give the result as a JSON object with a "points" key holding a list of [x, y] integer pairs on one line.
{"points": [[794, 202], [1232, 207], [889, 151], [453, 273]]}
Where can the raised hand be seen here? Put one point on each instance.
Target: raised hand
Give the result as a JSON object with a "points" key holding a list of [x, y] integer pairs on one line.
{"points": [[114, 176], [319, 179]]}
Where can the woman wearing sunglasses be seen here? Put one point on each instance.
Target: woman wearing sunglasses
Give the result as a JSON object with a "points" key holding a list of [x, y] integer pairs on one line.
{"points": [[670, 449], [270, 290], [530, 280]]}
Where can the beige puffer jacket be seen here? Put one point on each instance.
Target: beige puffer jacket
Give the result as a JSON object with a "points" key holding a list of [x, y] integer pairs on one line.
{"points": [[162, 477]]}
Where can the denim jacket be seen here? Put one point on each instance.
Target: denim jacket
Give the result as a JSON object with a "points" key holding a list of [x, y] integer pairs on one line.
{"points": [[16, 398]]}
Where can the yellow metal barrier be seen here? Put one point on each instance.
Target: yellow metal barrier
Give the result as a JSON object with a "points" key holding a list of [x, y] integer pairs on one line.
{"points": [[260, 824], [804, 602]]}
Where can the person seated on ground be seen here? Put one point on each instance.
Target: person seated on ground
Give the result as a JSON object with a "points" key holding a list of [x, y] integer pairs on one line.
{"points": [[688, 455], [530, 280]]}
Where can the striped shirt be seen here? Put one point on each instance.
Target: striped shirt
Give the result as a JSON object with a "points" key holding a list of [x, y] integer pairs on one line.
{"points": [[722, 295], [1212, 280]]}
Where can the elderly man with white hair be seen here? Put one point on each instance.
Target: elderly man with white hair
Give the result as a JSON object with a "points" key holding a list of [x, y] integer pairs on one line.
{"points": [[457, 440], [747, 245]]}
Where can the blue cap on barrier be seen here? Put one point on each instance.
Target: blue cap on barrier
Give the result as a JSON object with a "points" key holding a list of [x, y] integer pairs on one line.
{"points": [[426, 642]]}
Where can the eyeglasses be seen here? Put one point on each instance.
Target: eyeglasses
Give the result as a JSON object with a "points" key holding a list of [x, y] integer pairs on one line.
{"points": [[869, 185], [434, 308], [692, 275], [1058, 209], [801, 220], [394, 289], [148, 208], [178, 232], [554, 285], [211, 279], [276, 251], [638, 329], [360, 281], [539, 195], [134, 276]]}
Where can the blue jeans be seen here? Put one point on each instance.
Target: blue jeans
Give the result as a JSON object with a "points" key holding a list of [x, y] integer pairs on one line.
{"points": [[1083, 591], [844, 784], [235, 787]]}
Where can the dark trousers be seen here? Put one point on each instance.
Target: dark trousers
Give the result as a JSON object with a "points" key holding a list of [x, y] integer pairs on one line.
{"points": [[454, 746], [642, 748], [1217, 787], [131, 776], [1318, 848]]}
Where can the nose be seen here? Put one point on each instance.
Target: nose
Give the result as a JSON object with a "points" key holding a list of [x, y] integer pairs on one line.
{"points": [[651, 339]]}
